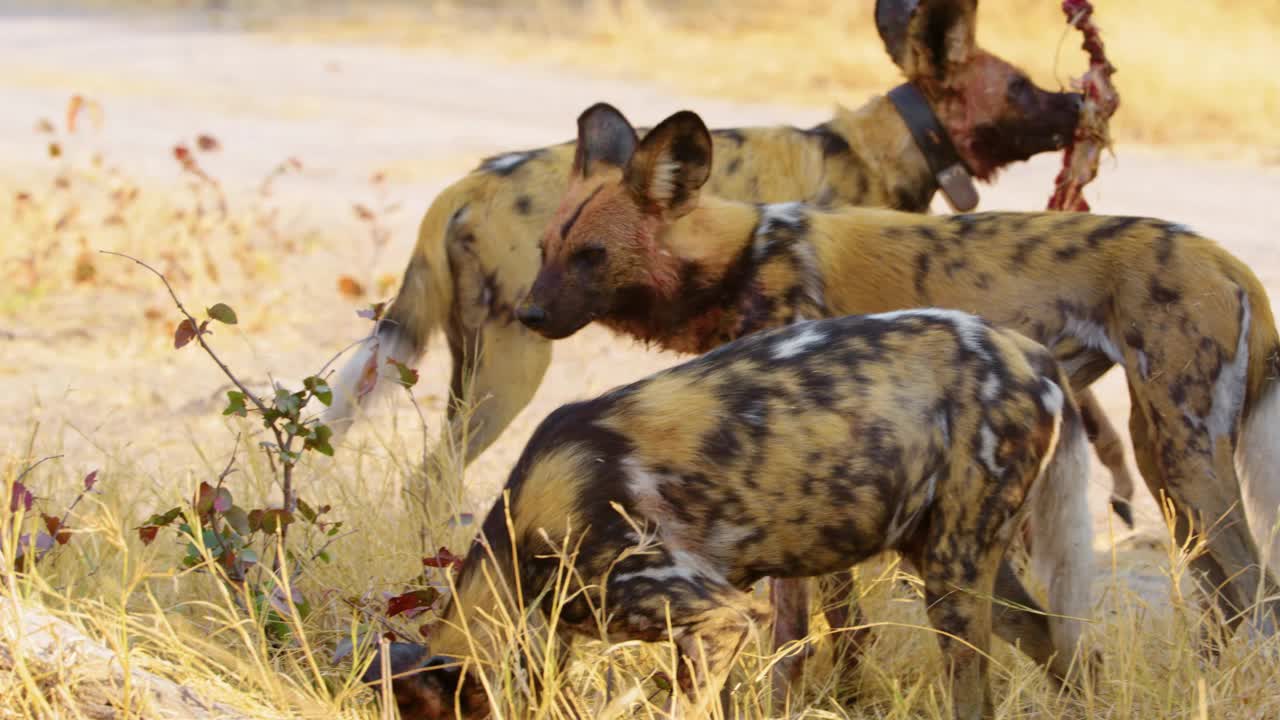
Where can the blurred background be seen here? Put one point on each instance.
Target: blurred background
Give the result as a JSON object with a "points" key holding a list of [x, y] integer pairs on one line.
{"points": [[278, 156]]}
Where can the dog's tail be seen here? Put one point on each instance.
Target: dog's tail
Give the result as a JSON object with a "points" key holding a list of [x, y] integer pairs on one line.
{"points": [[1061, 528], [419, 308]]}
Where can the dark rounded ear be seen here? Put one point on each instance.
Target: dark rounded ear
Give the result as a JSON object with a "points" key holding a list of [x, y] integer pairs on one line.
{"points": [[927, 38], [672, 163], [604, 136], [401, 656]]}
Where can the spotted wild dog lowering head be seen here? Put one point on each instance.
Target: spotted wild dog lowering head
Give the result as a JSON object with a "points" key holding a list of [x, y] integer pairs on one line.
{"points": [[993, 112], [598, 253], [789, 453]]}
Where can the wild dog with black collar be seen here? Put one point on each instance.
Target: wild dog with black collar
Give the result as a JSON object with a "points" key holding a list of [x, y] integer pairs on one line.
{"points": [[477, 250], [636, 246], [790, 453]]}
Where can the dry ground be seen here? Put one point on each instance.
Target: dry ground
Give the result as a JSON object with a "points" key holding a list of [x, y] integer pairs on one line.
{"points": [[87, 369]]}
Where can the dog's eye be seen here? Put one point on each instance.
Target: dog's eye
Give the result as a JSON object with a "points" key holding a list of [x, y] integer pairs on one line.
{"points": [[589, 256], [1018, 86]]}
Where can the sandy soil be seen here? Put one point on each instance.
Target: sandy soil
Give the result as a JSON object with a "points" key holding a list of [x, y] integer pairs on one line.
{"points": [[424, 118]]}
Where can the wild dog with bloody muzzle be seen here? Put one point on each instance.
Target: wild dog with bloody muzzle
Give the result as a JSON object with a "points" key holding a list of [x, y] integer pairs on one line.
{"points": [[477, 250], [790, 453], [637, 245]]}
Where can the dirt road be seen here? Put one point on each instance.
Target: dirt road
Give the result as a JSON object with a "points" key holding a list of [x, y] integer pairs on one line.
{"points": [[423, 118]]}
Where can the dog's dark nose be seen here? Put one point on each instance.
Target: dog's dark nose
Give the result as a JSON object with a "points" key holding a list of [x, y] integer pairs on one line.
{"points": [[531, 316]]}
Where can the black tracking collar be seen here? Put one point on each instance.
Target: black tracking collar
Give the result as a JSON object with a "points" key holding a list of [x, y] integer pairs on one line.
{"points": [[944, 162]]}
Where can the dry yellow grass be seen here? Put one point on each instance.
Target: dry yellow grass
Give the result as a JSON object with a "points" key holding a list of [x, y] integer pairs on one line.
{"points": [[145, 608], [156, 432], [1192, 73]]}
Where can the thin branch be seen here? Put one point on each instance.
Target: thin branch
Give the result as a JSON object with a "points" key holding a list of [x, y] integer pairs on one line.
{"points": [[194, 323], [33, 467], [230, 463]]}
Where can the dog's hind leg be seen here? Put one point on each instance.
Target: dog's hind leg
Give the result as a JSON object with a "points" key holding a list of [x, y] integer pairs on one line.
{"points": [[1110, 449]]}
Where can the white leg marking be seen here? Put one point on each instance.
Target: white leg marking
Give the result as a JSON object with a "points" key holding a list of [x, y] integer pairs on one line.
{"points": [[1232, 382], [988, 450], [1093, 336], [1258, 464]]}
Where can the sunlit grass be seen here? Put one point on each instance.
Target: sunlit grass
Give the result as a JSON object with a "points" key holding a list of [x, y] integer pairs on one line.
{"points": [[1192, 73]]}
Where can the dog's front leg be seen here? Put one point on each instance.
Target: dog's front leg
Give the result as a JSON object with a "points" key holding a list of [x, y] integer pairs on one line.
{"points": [[790, 599]]}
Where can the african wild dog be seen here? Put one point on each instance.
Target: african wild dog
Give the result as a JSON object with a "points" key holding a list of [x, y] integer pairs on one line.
{"points": [[477, 250], [789, 453], [635, 246]]}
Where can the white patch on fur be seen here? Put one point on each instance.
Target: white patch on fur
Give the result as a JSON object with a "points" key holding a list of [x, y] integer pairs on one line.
{"points": [[644, 484], [1181, 228], [1052, 397], [807, 259], [1093, 336], [787, 213], [987, 453], [1144, 365], [662, 186], [970, 329], [1232, 383], [660, 574], [940, 419], [798, 342], [502, 163], [991, 387], [1258, 464], [1062, 537], [898, 526]]}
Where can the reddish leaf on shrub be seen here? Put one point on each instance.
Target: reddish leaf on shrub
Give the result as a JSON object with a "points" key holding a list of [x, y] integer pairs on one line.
{"points": [[203, 501], [90, 480], [222, 500], [412, 602], [348, 287], [182, 155], [147, 533], [425, 630], [56, 529], [255, 519], [408, 375], [442, 558], [207, 143], [184, 333], [373, 312], [21, 497]]}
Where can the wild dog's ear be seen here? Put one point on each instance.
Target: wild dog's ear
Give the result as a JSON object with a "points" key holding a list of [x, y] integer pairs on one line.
{"points": [[604, 136], [927, 38], [672, 164], [401, 656]]}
